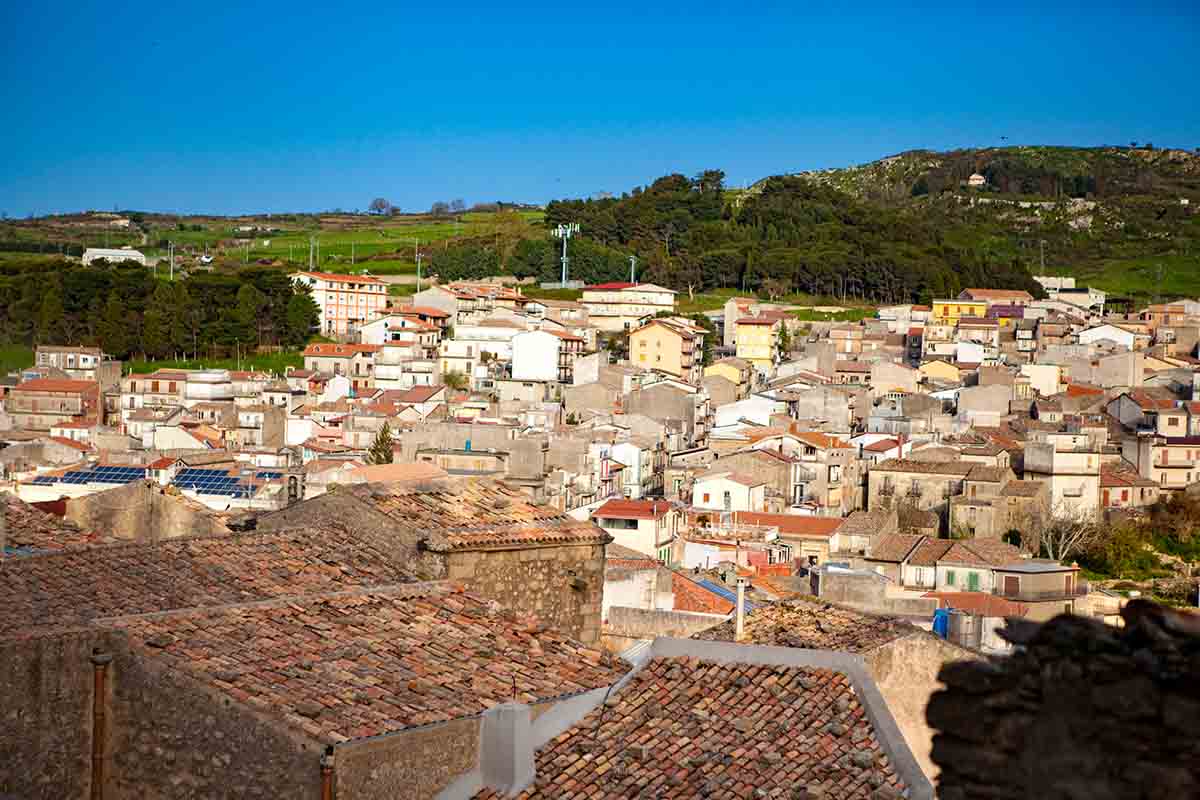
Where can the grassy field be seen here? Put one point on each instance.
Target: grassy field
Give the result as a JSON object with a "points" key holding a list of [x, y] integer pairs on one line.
{"points": [[1140, 278], [13, 357], [274, 362]]}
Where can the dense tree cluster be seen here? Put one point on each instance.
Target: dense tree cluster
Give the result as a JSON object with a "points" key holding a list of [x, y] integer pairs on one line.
{"points": [[793, 236], [125, 309]]}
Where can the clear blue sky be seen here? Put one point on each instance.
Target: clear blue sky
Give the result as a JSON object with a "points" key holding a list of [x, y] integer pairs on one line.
{"points": [[308, 106]]}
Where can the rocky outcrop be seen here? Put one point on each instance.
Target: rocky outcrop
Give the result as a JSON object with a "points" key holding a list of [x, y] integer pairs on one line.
{"points": [[1080, 709]]}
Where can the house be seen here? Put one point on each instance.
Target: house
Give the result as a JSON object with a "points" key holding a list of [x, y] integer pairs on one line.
{"points": [[1070, 467], [940, 370], [813, 540], [996, 515], [648, 526], [852, 372], [1116, 334], [737, 371], [1048, 587], [670, 345], [346, 302], [81, 364], [43, 403], [976, 181], [927, 485], [113, 255], [354, 361], [722, 490], [618, 307], [757, 340], [950, 311], [1017, 297], [1121, 487], [535, 356]]}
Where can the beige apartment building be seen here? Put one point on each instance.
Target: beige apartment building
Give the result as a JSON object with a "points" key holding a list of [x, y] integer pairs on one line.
{"points": [[668, 345], [618, 307]]}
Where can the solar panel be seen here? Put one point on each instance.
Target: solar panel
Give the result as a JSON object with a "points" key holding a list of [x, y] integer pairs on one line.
{"points": [[267, 476]]}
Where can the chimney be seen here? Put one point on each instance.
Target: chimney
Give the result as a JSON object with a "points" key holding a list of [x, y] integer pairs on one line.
{"points": [[741, 610], [506, 751]]}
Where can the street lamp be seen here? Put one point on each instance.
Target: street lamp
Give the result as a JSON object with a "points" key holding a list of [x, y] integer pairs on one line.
{"points": [[565, 231]]}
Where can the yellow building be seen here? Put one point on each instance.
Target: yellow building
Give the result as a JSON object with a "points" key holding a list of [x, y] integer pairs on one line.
{"points": [[940, 370], [736, 370], [668, 345], [756, 339], [950, 311]]}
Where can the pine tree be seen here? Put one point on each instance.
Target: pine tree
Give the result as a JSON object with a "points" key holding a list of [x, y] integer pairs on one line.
{"points": [[114, 327], [381, 448], [156, 328], [51, 317]]}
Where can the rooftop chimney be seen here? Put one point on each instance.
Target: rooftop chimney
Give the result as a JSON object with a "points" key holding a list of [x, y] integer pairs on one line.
{"points": [[741, 610], [506, 755]]}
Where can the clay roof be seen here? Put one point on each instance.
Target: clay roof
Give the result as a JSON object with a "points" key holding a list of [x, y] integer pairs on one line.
{"points": [[852, 366], [617, 556], [1120, 475], [31, 531], [1150, 402], [997, 294], [894, 547], [56, 385], [417, 394], [387, 473], [329, 350], [821, 440], [763, 320], [352, 665], [982, 472], [981, 552], [812, 625], [736, 477], [961, 468], [882, 446], [633, 509], [78, 585], [329, 276], [71, 443], [981, 603], [465, 515], [424, 311], [928, 552], [1022, 489], [683, 727], [796, 525]]}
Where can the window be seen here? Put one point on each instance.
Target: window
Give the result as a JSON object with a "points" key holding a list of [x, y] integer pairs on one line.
{"points": [[1172, 422], [728, 501], [950, 577], [706, 497]]}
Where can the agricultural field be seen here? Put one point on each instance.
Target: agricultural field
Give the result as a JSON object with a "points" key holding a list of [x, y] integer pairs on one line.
{"points": [[270, 362]]}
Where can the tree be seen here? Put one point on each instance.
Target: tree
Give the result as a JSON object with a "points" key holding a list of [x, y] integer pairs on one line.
{"points": [[302, 317], [784, 341], [455, 380], [114, 327], [247, 315], [380, 451], [710, 337], [380, 205], [156, 322], [51, 316], [1062, 532]]}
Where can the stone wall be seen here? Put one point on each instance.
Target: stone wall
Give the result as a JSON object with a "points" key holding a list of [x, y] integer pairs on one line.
{"points": [[1084, 710], [867, 591], [563, 586], [626, 625], [46, 716], [171, 737], [140, 512], [416, 765], [906, 671]]}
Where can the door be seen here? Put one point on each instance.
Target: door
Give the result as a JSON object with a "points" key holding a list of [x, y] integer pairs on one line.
{"points": [[1105, 497], [1012, 585]]}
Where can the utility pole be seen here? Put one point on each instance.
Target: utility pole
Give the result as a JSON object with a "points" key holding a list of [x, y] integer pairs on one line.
{"points": [[311, 239], [565, 231], [171, 257], [418, 272], [352, 254], [633, 269], [1042, 247]]}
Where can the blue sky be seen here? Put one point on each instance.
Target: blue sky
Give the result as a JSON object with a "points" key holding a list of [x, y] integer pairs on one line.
{"points": [[308, 106]]}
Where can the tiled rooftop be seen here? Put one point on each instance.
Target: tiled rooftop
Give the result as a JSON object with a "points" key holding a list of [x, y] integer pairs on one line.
{"points": [[31, 531], [925, 467], [894, 547], [478, 513], [684, 728], [814, 626], [78, 585], [356, 664]]}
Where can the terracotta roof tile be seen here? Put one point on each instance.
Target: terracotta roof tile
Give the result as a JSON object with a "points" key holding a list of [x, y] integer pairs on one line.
{"points": [[633, 509], [31, 531], [81, 584], [366, 663], [894, 547], [928, 552], [812, 625], [722, 731], [464, 515], [960, 468]]}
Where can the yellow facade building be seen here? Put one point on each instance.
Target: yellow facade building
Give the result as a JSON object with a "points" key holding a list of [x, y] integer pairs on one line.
{"points": [[671, 346], [757, 339], [950, 311]]}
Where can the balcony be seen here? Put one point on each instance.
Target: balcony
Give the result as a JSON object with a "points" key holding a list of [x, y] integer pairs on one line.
{"points": [[1072, 592]]}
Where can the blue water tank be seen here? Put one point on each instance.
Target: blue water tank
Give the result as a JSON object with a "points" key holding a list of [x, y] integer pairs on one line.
{"points": [[941, 622]]}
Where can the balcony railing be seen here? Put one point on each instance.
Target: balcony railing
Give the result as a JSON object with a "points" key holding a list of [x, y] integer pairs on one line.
{"points": [[1033, 596]]}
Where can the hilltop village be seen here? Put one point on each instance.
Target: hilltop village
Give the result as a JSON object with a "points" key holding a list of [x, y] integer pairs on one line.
{"points": [[489, 545]]}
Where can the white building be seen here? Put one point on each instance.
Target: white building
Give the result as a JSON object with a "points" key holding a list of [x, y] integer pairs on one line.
{"points": [[617, 307], [113, 255], [647, 526], [1112, 333], [535, 356], [347, 302], [729, 491]]}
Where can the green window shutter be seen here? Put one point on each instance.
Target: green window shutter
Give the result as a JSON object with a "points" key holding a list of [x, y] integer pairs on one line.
{"points": [[949, 577], [973, 581]]}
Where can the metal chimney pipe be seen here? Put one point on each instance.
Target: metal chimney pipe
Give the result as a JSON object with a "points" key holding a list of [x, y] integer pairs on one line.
{"points": [[741, 610]]}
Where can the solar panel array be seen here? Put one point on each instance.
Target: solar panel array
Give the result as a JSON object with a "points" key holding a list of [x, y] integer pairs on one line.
{"points": [[211, 481], [269, 476], [105, 474]]}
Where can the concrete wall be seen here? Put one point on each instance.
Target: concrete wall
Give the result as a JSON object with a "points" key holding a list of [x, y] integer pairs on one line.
{"points": [[416, 764], [906, 671], [139, 512], [868, 592], [625, 625], [539, 581]]}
